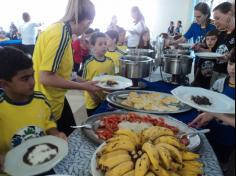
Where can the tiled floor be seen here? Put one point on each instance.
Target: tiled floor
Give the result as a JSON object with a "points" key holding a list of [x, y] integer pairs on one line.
{"points": [[77, 104]]}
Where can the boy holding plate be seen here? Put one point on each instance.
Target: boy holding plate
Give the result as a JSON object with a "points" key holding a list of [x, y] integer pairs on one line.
{"points": [[97, 65], [24, 114]]}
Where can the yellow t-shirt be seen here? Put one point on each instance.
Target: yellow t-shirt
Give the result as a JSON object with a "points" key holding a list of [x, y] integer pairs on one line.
{"points": [[19, 122], [115, 56], [94, 68], [53, 53]]}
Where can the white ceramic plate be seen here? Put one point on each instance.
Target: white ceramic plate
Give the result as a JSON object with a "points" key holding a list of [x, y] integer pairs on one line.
{"points": [[195, 142], [209, 55], [220, 102], [15, 166], [94, 170], [186, 45], [123, 82]]}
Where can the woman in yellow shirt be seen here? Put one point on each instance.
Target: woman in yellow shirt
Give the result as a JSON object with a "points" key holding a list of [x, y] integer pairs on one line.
{"points": [[53, 60]]}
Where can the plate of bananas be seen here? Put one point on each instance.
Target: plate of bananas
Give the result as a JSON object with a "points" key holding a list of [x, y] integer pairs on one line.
{"points": [[148, 153]]}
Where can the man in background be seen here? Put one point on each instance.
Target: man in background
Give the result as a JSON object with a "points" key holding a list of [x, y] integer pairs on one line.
{"points": [[28, 34]]}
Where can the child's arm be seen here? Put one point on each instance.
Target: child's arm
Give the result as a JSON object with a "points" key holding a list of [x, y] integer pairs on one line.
{"points": [[228, 119], [55, 132], [200, 47], [202, 120], [206, 117]]}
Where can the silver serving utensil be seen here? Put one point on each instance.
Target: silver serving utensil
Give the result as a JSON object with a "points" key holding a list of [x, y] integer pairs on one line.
{"points": [[191, 134], [89, 126]]}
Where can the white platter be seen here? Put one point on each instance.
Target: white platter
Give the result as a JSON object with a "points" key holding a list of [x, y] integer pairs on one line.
{"points": [[220, 102], [15, 166], [123, 82], [186, 45], [209, 55]]}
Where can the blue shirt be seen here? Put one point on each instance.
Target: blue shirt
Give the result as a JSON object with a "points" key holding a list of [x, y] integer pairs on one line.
{"points": [[197, 33], [229, 91]]}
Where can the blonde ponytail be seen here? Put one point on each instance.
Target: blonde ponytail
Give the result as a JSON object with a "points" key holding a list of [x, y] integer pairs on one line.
{"points": [[78, 10]]}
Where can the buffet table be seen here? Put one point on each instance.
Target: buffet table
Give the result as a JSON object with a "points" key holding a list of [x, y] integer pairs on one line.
{"points": [[81, 148]]}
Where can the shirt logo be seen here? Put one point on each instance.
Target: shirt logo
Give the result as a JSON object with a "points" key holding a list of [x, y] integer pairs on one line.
{"points": [[222, 49], [25, 134]]}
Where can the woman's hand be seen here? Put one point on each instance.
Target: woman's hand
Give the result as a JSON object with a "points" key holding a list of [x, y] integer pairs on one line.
{"points": [[199, 47], [202, 120], [168, 43], [90, 86]]}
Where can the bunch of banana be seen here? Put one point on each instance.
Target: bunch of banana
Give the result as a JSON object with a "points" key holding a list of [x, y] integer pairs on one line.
{"points": [[153, 152], [156, 132]]}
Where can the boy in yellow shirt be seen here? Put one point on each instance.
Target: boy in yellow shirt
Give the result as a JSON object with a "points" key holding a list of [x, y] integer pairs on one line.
{"points": [[113, 52], [24, 114], [97, 65]]}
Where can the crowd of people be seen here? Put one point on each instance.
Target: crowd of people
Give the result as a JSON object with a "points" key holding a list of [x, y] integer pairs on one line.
{"points": [[175, 31], [60, 60], [27, 32]]}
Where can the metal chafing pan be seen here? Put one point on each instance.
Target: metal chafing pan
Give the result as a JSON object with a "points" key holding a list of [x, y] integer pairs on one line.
{"points": [[116, 98]]}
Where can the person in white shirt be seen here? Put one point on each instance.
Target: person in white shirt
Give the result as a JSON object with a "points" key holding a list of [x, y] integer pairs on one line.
{"points": [[28, 34], [136, 31]]}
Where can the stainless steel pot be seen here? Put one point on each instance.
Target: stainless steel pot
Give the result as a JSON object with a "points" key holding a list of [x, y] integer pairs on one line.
{"points": [[136, 67], [181, 65]]}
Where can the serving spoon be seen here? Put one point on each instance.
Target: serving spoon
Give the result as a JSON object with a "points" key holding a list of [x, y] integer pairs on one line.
{"points": [[191, 134], [88, 126]]}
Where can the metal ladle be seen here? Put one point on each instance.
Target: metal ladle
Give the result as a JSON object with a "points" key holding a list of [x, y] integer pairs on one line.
{"points": [[191, 134]]}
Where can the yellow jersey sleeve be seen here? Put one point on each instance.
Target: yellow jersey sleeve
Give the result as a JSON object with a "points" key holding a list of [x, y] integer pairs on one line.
{"points": [[87, 69], [55, 50]]}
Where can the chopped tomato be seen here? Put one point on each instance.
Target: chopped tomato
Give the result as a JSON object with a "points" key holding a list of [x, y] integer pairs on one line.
{"points": [[104, 134]]}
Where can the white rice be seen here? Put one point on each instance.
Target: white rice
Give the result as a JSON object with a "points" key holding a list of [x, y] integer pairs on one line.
{"points": [[135, 126], [40, 154]]}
